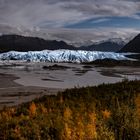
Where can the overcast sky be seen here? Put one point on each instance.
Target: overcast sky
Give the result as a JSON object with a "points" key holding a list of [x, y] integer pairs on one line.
{"points": [[75, 14]]}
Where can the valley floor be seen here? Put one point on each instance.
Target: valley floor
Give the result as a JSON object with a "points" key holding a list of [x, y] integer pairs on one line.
{"points": [[12, 93]]}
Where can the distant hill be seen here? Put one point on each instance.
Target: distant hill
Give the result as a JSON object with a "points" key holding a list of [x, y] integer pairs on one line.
{"points": [[23, 44], [132, 46], [26, 43], [105, 46]]}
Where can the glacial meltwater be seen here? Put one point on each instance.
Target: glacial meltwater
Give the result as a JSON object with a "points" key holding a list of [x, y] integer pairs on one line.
{"points": [[66, 75]]}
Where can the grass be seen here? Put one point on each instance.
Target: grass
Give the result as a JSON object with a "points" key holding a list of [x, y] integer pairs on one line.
{"points": [[105, 112]]}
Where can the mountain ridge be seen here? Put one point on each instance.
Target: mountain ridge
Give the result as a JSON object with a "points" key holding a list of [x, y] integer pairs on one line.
{"points": [[24, 43], [21, 43], [105, 46]]}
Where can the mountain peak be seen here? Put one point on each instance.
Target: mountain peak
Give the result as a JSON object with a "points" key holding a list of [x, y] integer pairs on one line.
{"points": [[109, 45], [118, 41]]}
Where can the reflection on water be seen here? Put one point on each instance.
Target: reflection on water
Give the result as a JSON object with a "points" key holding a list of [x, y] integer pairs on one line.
{"points": [[67, 75]]}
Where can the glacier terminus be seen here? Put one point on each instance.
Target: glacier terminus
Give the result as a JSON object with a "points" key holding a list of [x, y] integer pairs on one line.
{"points": [[72, 56]]}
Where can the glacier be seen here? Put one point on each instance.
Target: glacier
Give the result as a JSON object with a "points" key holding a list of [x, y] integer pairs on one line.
{"points": [[61, 56]]}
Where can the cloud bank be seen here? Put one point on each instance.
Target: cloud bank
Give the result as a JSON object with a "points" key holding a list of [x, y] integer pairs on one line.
{"points": [[60, 13], [50, 18]]}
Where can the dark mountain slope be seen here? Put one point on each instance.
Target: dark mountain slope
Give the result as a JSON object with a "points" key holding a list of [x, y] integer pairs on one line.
{"points": [[22, 43], [132, 46], [104, 47]]}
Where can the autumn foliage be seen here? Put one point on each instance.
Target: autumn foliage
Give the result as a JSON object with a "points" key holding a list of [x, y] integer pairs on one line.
{"points": [[106, 112]]}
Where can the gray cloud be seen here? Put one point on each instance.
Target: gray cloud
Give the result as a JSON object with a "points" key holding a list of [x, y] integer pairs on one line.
{"points": [[58, 13], [81, 37], [78, 37]]}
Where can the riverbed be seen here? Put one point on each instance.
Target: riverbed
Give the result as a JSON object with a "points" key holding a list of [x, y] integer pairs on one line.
{"points": [[21, 81]]}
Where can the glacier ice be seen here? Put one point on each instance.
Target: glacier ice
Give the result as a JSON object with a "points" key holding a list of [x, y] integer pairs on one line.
{"points": [[61, 56]]}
